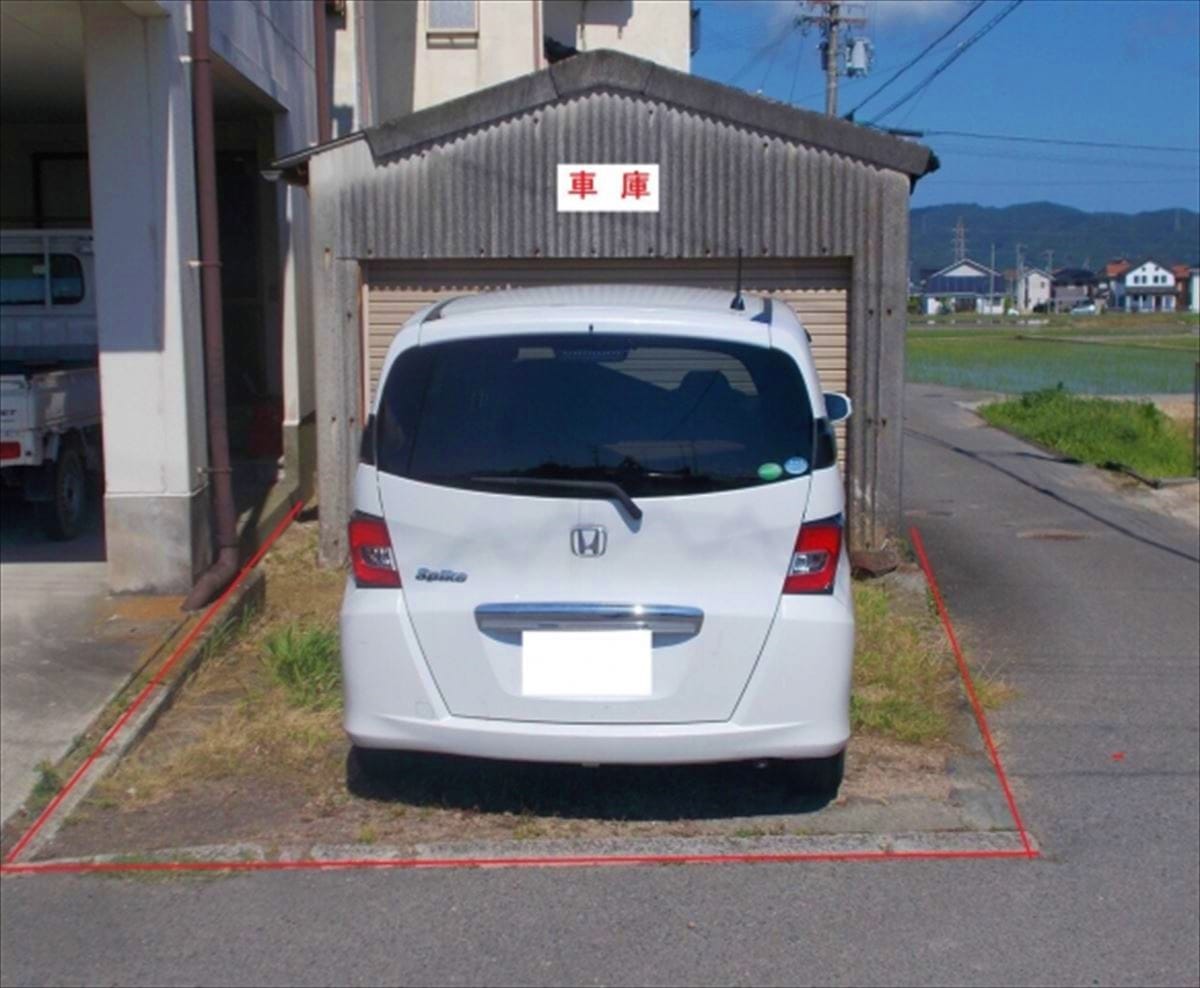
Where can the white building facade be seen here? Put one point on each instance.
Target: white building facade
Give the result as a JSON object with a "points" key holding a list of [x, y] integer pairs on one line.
{"points": [[1149, 287], [1033, 289]]}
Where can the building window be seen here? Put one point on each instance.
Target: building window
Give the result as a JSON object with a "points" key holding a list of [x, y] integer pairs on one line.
{"points": [[452, 17], [23, 279]]}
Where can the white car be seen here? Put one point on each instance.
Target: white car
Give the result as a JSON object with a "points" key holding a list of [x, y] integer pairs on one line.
{"points": [[601, 524]]}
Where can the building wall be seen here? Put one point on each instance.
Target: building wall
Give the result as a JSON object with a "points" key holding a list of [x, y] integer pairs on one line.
{"points": [[1194, 292], [1152, 276], [659, 30], [151, 371], [141, 151], [413, 68], [1035, 290]]}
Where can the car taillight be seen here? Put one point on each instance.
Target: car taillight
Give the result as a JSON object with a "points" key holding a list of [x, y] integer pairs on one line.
{"points": [[815, 557], [10, 451], [371, 553]]}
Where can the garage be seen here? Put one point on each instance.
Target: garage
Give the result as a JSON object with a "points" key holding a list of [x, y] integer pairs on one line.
{"points": [[469, 196]]}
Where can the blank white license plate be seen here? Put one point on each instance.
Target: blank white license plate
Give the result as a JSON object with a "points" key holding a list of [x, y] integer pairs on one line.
{"points": [[586, 663]]}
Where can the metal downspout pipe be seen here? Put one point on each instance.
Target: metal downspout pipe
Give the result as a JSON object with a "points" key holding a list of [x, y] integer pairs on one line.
{"points": [[223, 570], [321, 70]]}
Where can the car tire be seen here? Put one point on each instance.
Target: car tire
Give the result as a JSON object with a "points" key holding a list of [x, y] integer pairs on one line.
{"points": [[820, 776], [63, 514]]}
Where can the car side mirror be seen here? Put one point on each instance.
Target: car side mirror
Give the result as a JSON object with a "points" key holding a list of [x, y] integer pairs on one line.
{"points": [[838, 407]]}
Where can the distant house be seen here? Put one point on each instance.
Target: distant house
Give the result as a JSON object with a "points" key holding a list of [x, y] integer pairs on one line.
{"points": [[1070, 287], [1111, 287], [1182, 275], [965, 286], [1149, 288], [1033, 290], [1194, 289]]}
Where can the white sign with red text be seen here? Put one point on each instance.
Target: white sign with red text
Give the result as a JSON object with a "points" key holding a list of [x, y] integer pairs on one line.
{"points": [[608, 188]]}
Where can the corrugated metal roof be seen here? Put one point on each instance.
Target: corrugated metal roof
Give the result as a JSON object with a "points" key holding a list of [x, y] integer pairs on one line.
{"points": [[616, 72], [491, 192]]}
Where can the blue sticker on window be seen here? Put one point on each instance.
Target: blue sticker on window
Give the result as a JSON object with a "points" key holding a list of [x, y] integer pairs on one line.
{"points": [[796, 465]]}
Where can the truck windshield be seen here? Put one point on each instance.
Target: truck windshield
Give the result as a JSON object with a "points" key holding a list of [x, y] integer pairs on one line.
{"points": [[23, 279], [656, 415]]}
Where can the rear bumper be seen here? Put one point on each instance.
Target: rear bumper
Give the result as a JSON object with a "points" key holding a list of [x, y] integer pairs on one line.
{"points": [[796, 703], [615, 744]]}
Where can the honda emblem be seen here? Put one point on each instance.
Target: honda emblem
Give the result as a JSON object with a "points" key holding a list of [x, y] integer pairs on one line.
{"points": [[589, 540]]}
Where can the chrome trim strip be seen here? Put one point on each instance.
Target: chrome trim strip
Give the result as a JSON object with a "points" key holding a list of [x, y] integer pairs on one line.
{"points": [[661, 618]]}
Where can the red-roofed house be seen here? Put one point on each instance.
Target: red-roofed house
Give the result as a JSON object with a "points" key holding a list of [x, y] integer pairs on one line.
{"points": [[1182, 273], [1112, 282]]}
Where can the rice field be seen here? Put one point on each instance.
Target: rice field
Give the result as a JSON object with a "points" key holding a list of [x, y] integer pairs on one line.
{"points": [[1013, 363]]}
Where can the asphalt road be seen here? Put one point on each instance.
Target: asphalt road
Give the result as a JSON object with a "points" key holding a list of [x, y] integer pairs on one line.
{"points": [[1100, 636]]}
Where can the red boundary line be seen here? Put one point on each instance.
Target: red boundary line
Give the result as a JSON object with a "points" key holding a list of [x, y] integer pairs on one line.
{"points": [[976, 706], [419, 864], [180, 649]]}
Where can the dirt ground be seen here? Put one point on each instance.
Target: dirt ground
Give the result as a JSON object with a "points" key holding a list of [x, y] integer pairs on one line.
{"points": [[233, 761]]}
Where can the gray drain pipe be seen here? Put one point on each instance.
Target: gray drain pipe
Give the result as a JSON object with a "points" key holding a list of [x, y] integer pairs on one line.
{"points": [[223, 570]]}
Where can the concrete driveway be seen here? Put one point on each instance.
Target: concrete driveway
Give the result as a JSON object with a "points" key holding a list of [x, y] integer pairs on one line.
{"points": [[65, 645], [1085, 602]]}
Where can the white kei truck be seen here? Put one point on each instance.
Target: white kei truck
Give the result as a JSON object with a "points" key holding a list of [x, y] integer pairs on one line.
{"points": [[49, 377]]}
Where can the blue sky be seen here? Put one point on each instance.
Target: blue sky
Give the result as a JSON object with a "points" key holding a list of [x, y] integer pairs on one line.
{"points": [[1125, 71]]}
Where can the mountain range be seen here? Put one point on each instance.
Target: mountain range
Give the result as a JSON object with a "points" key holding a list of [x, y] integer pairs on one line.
{"points": [[1077, 238]]}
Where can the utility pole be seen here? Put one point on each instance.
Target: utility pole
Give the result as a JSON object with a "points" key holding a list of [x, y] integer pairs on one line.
{"points": [[992, 279], [1049, 255], [1020, 286], [827, 15]]}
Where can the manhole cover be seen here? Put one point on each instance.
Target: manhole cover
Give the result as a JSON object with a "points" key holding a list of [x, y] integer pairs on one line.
{"points": [[1052, 535]]}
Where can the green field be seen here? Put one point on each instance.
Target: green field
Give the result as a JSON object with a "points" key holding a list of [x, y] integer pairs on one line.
{"points": [[1124, 359], [1099, 431]]}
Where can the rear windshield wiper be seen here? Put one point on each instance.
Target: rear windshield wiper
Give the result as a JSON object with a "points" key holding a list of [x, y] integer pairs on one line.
{"points": [[606, 487]]}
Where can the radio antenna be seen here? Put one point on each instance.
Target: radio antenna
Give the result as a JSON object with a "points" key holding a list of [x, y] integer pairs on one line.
{"points": [[738, 302]]}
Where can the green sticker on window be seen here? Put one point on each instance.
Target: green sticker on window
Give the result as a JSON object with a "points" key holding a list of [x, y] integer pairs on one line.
{"points": [[770, 471]]}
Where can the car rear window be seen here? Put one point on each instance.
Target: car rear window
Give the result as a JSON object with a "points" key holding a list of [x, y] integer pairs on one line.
{"points": [[657, 415]]}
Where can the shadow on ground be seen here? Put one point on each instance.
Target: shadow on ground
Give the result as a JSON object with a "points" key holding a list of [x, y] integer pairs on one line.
{"points": [[607, 792]]}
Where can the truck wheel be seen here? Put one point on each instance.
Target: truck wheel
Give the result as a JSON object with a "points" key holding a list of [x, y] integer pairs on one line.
{"points": [[62, 515]]}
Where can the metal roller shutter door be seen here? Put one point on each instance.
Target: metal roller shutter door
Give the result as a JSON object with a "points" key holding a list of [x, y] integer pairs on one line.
{"points": [[816, 289]]}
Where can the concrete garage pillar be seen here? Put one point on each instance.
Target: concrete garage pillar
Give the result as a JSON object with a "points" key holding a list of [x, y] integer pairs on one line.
{"points": [[151, 370]]}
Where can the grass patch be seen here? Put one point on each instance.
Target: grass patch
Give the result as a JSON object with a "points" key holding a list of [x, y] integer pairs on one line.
{"points": [[1098, 430], [266, 702], [905, 684], [304, 660], [1014, 363], [48, 783]]}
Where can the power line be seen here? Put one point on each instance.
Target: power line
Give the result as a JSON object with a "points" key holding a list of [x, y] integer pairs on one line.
{"points": [[1067, 181], [771, 63], [760, 52], [1071, 160], [950, 59], [909, 64], [1055, 140], [795, 72]]}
